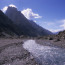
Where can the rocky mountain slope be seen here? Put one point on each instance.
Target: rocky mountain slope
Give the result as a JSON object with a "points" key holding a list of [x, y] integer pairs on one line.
{"points": [[61, 33], [39, 28], [28, 28], [7, 27]]}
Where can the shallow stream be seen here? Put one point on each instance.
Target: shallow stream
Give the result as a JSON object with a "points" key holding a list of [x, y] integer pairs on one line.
{"points": [[45, 55]]}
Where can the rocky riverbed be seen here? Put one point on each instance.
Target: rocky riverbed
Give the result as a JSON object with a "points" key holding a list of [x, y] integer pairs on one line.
{"points": [[13, 53], [36, 51]]}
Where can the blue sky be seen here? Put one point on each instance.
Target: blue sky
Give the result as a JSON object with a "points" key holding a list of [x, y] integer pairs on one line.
{"points": [[49, 14]]}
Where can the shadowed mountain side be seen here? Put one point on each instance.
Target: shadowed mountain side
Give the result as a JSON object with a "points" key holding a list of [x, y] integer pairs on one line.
{"points": [[28, 28], [7, 27]]}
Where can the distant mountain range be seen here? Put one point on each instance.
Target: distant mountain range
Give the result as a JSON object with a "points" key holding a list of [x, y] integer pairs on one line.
{"points": [[13, 22]]}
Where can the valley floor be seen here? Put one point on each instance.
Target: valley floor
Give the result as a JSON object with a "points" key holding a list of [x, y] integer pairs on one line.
{"points": [[13, 53]]}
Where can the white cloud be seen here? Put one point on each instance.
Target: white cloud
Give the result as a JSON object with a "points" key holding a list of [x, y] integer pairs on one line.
{"points": [[35, 21], [63, 25], [28, 13], [6, 7], [55, 26], [11, 5], [56, 30]]}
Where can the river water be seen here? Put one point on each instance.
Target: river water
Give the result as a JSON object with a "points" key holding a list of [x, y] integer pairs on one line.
{"points": [[45, 55]]}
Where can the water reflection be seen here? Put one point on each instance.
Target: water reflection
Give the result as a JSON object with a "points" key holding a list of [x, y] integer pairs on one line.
{"points": [[46, 55]]}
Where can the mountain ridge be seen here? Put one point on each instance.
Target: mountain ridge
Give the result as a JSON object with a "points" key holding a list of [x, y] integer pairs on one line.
{"points": [[26, 26]]}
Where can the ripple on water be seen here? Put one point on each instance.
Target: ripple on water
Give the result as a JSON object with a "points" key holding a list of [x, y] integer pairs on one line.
{"points": [[46, 55]]}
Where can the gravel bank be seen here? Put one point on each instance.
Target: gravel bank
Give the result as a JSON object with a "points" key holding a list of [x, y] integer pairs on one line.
{"points": [[12, 53]]}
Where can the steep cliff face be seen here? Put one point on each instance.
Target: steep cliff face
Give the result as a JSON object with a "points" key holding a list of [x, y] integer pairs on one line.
{"points": [[28, 28]]}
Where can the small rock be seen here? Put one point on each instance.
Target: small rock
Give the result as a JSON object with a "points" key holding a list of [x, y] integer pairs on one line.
{"points": [[50, 38]]}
